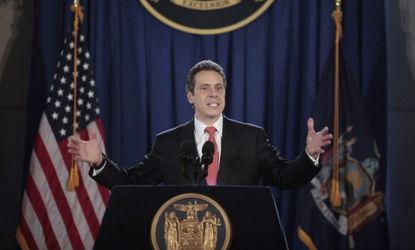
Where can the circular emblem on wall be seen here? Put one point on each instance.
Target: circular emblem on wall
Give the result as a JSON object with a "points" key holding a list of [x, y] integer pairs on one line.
{"points": [[206, 17], [191, 221]]}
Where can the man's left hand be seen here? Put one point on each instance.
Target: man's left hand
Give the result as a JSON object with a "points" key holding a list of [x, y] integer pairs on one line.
{"points": [[316, 141]]}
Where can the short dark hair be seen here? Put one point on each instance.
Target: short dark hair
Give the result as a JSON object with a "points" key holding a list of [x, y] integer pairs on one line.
{"points": [[201, 66]]}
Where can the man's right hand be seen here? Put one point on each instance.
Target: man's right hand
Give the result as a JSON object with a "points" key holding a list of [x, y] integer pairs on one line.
{"points": [[88, 151]]}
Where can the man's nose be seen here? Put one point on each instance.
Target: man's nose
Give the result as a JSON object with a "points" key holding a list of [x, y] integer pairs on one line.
{"points": [[213, 92]]}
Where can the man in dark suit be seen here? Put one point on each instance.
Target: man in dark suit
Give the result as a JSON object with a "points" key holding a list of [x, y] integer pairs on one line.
{"points": [[242, 153]]}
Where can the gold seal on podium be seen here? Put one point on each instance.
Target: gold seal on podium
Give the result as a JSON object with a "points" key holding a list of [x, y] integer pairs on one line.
{"points": [[191, 221]]}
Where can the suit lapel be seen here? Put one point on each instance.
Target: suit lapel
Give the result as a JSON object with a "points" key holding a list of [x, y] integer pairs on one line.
{"points": [[228, 151], [189, 135]]}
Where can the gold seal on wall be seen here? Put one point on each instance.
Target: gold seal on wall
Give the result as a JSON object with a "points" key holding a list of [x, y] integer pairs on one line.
{"points": [[205, 5], [191, 221], [206, 17]]}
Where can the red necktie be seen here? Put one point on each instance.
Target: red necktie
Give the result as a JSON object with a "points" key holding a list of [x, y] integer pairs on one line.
{"points": [[214, 166]]}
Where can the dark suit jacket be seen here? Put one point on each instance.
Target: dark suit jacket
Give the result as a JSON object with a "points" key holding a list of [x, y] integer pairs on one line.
{"points": [[247, 158]]}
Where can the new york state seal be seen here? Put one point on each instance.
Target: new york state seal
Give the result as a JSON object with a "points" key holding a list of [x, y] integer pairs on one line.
{"points": [[191, 221]]}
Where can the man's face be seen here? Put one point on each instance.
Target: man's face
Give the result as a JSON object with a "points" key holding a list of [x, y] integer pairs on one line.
{"points": [[208, 97]]}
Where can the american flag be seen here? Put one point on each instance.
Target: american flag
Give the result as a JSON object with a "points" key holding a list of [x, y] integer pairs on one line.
{"points": [[52, 216]]}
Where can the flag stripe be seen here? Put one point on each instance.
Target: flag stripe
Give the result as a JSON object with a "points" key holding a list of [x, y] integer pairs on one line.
{"points": [[35, 199], [104, 194], [34, 226], [57, 160], [57, 191], [82, 195], [48, 201], [94, 194]]}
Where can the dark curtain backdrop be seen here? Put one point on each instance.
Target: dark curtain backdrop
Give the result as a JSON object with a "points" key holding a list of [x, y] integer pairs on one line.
{"points": [[273, 67]]}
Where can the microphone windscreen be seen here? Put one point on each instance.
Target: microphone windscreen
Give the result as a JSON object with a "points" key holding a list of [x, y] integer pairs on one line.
{"points": [[208, 148]]}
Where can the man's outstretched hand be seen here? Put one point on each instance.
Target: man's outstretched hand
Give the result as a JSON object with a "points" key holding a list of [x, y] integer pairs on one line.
{"points": [[316, 141], [88, 151]]}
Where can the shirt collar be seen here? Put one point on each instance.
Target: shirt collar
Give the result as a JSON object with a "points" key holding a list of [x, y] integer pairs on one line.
{"points": [[200, 128]]}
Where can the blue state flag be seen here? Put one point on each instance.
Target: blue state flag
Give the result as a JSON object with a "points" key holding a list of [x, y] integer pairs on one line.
{"points": [[358, 221]]}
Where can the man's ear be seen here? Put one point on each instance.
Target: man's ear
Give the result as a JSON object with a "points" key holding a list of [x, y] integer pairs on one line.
{"points": [[190, 97]]}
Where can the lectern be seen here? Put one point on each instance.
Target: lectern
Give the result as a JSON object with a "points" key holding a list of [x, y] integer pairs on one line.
{"points": [[169, 217]]}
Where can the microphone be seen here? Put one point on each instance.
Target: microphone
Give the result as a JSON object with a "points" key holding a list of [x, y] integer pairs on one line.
{"points": [[207, 157], [185, 156], [207, 153]]}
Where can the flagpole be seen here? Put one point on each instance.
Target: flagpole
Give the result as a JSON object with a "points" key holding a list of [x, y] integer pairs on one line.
{"points": [[337, 16], [73, 180]]}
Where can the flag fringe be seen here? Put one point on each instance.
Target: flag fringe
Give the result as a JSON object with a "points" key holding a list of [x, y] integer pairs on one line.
{"points": [[71, 184], [335, 198], [306, 239], [76, 175], [73, 180], [21, 240]]}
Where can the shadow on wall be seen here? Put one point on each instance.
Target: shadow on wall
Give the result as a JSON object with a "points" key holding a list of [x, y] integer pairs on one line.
{"points": [[408, 26], [16, 30], [10, 15]]}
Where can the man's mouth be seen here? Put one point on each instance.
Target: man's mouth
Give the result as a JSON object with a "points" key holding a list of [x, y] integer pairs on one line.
{"points": [[213, 104]]}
